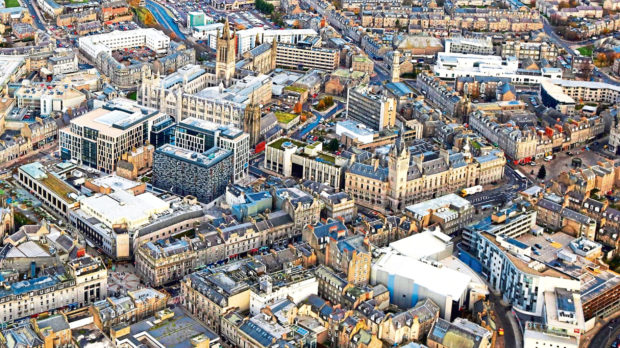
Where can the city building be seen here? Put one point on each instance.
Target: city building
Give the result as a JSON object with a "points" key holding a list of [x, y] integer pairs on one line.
{"points": [[374, 110], [469, 45], [157, 331], [511, 265], [115, 11], [418, 173], [445, 334], [209, 296], [290, 157], [427, 275], [65, 63], [308, 54], [77, 283], [137, 305], [98, 138], [347, 254], [295, 284], [122, 216], [455, 65], [100, 49], [49, 187], [199, 136], [562, 322], [441, 94], [47, 99], [194, 91], [570, 91], [202, 175], [535, 51], [450, 212]]}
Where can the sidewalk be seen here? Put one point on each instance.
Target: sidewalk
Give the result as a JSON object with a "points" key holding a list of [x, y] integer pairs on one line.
{"points": [[584, 342]]}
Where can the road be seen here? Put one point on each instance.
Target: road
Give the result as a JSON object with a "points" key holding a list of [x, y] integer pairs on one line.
{"points": [[505, 320], [605, 335], [163, 17], [319, 117], [35, 14], [508, 191], [566, 45]]}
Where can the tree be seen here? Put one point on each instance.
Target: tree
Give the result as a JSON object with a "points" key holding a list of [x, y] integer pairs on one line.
{"points": [[333, 145], [542, 172], [321, 105]]}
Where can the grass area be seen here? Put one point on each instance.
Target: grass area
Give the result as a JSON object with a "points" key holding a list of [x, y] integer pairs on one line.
{"points": [[285, 117], [295, 89], [586, 51], [278, 143], [60, 188], [132, 95], [11, 3], [327, 158]]}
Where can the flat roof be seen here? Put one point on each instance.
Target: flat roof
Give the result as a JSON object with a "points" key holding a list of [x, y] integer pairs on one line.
{"points": [[421, 244], [441, 280], [115, 117], [206, 159], [431, 206], [522, 265]]}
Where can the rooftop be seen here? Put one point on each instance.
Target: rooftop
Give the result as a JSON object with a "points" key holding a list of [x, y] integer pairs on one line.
{"points": [[206, 159]]}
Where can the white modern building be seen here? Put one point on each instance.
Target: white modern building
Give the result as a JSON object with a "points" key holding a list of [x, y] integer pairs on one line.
{"points": [[266, 292], [455, 65], [154, 39], [355, 130], [246, 39], [430, 272], [421, 279], [562, 322]]}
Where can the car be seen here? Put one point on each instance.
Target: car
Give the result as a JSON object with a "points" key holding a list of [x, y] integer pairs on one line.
{"points": [[536, 252], [533, 164], [537, 246]]}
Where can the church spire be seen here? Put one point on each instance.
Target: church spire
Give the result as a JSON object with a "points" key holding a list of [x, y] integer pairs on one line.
{"points": [[226, 30]]}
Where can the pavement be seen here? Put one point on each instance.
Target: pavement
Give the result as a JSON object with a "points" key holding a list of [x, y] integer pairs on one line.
{"points": [[513, 184], [562, 163]]}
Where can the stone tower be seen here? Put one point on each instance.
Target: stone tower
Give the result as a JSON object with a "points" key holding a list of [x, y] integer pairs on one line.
{"points": [[251, 121], [398, 166], [226, 54], [274, 53], [396, 66]]}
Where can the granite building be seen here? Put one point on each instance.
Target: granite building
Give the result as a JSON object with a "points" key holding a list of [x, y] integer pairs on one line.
{"points": [[184, 172]]}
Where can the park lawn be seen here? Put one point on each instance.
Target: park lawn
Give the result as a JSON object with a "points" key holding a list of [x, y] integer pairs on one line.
{"points": [[586, 51], [285, 117], [11, 3]]}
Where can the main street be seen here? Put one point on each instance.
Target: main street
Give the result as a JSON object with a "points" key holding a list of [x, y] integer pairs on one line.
{"points": [[35, 14], [567, 46], [514, 183], [606, 334]]}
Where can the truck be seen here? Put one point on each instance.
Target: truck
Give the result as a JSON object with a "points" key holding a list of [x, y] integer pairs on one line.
{"points": [[471, 190]]}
